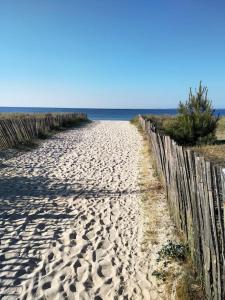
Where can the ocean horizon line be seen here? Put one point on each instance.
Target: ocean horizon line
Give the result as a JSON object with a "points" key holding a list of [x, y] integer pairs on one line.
{"points": [[99, 113], [119, 108]]}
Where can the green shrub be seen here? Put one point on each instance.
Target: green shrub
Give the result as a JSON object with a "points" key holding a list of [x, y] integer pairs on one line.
{"points": [[173, 250], [160, 275], [196, 123]]}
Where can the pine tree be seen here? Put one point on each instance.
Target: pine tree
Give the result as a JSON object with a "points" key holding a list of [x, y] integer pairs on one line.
{"points": [[196, 121]]}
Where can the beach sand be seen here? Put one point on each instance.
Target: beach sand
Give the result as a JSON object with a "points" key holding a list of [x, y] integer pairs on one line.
{"points": [[72, 224]]}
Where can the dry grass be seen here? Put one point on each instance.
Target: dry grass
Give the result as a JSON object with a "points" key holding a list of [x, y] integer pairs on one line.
{"points": [[215, 153], [152, 192], [220, 133], [189, 286], [20, 115]]}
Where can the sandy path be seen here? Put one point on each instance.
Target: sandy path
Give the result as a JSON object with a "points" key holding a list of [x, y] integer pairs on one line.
{"points": [[70, 218]]}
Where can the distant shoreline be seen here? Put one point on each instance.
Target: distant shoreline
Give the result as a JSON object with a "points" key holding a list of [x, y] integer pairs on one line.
{"points": [[88, 108], [99, 113]]}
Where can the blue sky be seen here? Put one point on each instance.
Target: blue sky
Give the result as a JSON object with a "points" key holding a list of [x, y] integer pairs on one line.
{"points": [[110, 53]]}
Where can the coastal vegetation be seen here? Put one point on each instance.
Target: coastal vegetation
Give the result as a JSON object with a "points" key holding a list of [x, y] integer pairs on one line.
{"points": [[194, 187], [213, 151], [22, 129], [195, 126], [195, 122]]}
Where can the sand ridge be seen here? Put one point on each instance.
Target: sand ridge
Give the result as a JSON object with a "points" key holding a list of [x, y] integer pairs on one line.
{"points": [[71, 225]]}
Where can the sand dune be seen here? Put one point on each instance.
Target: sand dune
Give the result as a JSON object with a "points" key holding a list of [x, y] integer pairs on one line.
{"points": [[71, 222]]}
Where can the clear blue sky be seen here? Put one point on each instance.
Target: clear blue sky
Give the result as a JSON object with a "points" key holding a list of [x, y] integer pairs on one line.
{"points": [[110, 53]]}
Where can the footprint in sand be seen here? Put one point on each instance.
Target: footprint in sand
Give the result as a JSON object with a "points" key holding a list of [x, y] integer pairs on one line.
{"points": [[82, 214]]}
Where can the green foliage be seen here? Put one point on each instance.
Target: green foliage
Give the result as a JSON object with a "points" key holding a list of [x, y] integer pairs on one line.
{"points": [[169, 252], [161, 275], [196, 123], [173, 250]]}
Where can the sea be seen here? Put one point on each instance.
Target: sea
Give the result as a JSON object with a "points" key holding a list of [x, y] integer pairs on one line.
{"points": [[99, 113]]}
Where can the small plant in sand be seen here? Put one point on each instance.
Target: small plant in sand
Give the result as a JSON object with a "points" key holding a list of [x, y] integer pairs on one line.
{"points": [[173, 250], [169, 252], [161, 275]]}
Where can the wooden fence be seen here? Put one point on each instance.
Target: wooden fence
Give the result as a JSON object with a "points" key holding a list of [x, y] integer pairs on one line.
{"points": [[18, 129], [195, 192]]}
